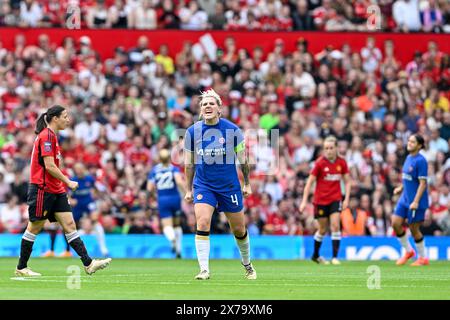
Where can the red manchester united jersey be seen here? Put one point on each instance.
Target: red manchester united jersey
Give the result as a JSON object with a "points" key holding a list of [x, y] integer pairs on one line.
{"points": [[329, 175], [46, 144]]}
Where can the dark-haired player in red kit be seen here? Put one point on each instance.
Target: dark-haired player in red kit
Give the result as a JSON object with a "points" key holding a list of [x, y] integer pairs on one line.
{"points": [[47, 197], [328, 171]]}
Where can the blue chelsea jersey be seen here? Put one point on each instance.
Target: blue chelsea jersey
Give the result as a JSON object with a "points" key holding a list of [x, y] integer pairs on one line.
{"points": [[83, 194], [164, 179], [414, 169], [215, 148]]}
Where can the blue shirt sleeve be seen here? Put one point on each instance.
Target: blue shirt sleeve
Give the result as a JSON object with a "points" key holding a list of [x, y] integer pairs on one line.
{"points": [[151, 176], [176, 170], [189, 139], [422, 169]]}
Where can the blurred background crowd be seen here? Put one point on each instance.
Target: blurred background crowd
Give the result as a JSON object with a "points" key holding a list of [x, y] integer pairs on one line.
{"points": [[126, 108], [270, 15]]}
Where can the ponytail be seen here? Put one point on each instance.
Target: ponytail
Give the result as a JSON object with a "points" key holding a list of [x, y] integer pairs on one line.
{"points": [[41, 123], [420, 140], [44, 119]]}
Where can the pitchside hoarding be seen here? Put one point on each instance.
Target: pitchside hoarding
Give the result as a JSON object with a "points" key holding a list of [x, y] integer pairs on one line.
{"points": [[223, 247]]}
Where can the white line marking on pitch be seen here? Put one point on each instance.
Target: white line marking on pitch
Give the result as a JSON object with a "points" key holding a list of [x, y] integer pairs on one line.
{"points": [[39, 279]]}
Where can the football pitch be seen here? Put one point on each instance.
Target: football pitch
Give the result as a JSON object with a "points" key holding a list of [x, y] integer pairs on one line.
{"points": [[277, 280]]}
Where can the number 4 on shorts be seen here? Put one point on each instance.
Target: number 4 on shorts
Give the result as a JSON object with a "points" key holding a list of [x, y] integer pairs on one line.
{"points": [[234, 199]]}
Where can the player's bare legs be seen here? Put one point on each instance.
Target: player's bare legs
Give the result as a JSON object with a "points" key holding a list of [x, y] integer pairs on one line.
{"points": [[66, 221], [318, 237], [26, 248], [237, 225], [335, 226], [420, 245], [203, 215], [397, 225]]}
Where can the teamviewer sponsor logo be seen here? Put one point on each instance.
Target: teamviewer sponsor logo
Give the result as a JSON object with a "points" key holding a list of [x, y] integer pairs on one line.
{"points": [[407, 176]]}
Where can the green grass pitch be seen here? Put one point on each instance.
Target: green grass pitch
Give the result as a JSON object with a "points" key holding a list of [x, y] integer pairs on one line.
{"points": [[173, 279]]}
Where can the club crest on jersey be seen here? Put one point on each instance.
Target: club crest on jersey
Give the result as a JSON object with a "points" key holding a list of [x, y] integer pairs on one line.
{"points": [[221, 140], [47, 146], [199, 197], [338, 168], [410, 169]]}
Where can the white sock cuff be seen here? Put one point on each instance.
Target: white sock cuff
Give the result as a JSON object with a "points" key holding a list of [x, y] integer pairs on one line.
{"points": [[335, 236], [29, 236], [72, 236], [318, 237]]}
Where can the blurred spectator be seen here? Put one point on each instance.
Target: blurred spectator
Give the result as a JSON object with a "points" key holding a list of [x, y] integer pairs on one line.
{"points": [[353, 219], [169, 18], [406, 15], [302, 17], [276, 224], [144, 17], [19, 187], [429, 226], [97, 16], [30, 13], [119, 15], [371, 56], [193, 17], [436, 101], [165, 60], [338, 22], [115, 131], [303, 81], [217, 20], [11, 216], [140, 224], [5, 189], [437, 143], [89, 130], [378, 223], [431, 16]]}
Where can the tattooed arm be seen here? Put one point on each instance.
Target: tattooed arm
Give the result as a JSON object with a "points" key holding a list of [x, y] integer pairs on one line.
{"points": [[244, 162]]}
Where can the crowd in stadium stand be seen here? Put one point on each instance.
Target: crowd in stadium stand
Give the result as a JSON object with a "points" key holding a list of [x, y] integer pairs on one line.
{"points": [[127, 108], [271, 15]]}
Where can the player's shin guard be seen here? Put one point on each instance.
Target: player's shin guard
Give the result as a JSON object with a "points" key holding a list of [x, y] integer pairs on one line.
{"points": [[336, 240], [169, 232], [25, 249], [420, 245], [178, 238], [403, 238], [243, 244], [100, 235], [202, 246], [317, 244], [77, 244]]}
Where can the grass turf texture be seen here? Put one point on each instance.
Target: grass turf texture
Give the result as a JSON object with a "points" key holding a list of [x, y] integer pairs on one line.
{"points": [[173, 279]]}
